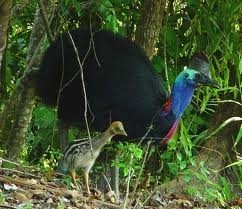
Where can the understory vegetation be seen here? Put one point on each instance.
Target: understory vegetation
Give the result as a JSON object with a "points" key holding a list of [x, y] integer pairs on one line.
{"points": [[211, 26]]}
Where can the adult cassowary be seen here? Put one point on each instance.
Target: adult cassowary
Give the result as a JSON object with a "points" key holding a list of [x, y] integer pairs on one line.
{"points": [[120, 85]]}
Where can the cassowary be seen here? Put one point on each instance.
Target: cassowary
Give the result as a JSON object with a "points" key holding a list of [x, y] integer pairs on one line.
{"points": [[119, 85]]}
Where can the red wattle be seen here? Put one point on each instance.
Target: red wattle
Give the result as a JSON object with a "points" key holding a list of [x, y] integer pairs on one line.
{"points": [[170, 133]]}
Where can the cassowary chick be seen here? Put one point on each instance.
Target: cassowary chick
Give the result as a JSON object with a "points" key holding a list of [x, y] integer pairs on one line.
{"points": [[78, 153]]}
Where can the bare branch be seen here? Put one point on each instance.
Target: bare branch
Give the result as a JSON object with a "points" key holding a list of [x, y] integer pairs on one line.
{"points": [[45, 21]]}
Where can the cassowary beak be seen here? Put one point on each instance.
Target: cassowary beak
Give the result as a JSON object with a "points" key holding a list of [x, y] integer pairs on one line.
{"points": [[204, 80]]}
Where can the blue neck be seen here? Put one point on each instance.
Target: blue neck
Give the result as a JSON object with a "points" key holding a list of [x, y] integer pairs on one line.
{"points": [[181, 97]]}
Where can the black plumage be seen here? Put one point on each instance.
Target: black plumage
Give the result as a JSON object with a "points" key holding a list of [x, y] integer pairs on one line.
{"points": [[119, 81]]}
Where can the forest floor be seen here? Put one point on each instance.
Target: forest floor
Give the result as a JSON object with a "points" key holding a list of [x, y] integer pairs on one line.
{"points": [[30, 190]]}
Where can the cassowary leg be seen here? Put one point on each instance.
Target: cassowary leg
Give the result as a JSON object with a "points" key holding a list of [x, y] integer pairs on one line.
{"points": [[115, 180], [63, 132], [154, 164], [112, 172]]}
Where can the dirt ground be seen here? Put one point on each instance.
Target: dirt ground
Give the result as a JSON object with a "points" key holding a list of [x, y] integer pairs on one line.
{"points": [[30, 189]]}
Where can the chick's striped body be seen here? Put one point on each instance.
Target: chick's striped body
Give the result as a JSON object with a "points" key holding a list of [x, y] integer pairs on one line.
{"points": [[79, 155]]}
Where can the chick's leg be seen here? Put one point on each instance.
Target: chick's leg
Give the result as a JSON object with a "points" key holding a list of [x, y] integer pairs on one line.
{"points": [[86, 176], [73, 176]]}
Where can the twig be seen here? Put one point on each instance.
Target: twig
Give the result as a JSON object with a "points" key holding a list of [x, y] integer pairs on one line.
{"points": [[7, 206], [14, 163], [20, 172], [226, 101], [106, 179], [45, 21], [225, 123], [165, 64], [146, 134], [9, 161], [129, 179], [107, 204], [211, 150], [92, 40], [84, 91], [141, 170], [152, 193], [59, 92]]}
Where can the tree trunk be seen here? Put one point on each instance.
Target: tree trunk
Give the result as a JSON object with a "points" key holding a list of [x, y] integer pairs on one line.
{"points": [[150, 25], [5, 9], [3, 83], [21, 121], [25, 101]]}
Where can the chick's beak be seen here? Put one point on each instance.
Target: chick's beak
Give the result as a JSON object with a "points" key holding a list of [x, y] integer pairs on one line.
{"points": [[124, 133], [204, 80]]}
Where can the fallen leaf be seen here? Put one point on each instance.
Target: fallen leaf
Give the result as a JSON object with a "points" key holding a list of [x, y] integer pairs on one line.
{"points": [[73, 193], [38, 192], [64, 200], [97, 193], [185, 203], [21, 197], [10, 187], [50, 200], [31, 181], [110, 196]]}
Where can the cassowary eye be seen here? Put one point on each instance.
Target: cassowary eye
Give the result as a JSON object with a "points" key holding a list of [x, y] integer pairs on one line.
{"points": [[198, 76], [186, 75]]}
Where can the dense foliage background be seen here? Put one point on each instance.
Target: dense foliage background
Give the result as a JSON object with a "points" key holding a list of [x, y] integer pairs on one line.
{"points": [[212, 26]]}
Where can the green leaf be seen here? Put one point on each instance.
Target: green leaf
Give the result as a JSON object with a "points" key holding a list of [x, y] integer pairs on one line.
{"points": [[183, 165], [240, 66], [173, 168], [193, 162], [239, 137], [187, 178], [179, 156]]}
